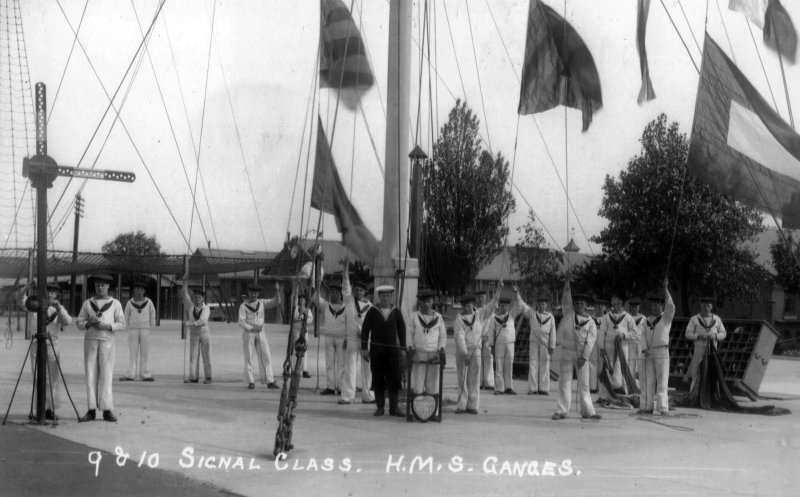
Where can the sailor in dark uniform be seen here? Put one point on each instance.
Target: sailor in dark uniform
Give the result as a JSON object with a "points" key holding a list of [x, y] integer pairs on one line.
{"points": [[383, 336]]}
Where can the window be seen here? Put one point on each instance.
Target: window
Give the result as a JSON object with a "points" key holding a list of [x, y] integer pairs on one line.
{"points": [[790, 305]]}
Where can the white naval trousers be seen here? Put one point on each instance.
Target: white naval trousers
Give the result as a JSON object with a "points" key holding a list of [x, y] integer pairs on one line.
{"points": [[53, 376], [355, 364], [538, 367], [424, 375], [335, 362], [487, 366], [199, 343], [468, 369], [255, 344], [656, 373], [503, 380], [569, 361], [139, 351], [98, 360]]}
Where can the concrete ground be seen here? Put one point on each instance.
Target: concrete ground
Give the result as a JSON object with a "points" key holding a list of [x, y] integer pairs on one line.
{"points": [[220, 437]]}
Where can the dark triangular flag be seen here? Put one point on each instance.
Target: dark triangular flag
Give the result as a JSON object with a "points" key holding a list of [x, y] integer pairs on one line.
{"points": [[558, 68], [328, 195]]}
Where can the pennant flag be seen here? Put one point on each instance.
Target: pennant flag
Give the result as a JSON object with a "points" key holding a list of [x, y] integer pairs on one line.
{"points": [[779, 33], [558, 68], [328, 195], [769, 15], [646, 92], [343, 56], [739, 145], [753, 10]]}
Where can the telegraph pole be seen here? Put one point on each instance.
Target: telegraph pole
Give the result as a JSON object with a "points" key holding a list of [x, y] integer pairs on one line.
{"points": [[42, 170], [75, 302]]}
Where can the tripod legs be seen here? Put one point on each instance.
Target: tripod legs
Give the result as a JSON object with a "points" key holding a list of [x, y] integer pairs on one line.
{"points": [[40, 416]]}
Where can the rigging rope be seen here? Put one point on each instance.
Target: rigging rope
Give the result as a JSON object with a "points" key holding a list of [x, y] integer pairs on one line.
{"points": [[199, 152], [66, 64], [241, 146], [171, 127], [480, 87], [136, 55], [681, 37]]}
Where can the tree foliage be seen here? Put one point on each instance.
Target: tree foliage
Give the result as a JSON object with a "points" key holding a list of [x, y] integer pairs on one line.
{"points": [[537, 264], [132, 244], [785, 254], [466, 203], [710, 232]]}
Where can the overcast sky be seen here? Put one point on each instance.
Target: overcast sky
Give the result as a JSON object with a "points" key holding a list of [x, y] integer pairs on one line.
{"points": [[266, 50]]}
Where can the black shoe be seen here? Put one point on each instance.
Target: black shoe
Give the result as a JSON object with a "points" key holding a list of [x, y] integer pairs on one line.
{"points": [[593, 390], [542, 392], [378, 412], [207, 381], [191, 381], [358, 390], [498, 392], [149, 378], [49, 414], [126, 378], [593, 416], [109, 416], [344, 402], [306, 374], [328, 391], [90, 415], [367, 401], [510, 392], [533, 393], [396, 413], [251, 386], [472, 411], [460, 411], [559, 415], [273, 386]]}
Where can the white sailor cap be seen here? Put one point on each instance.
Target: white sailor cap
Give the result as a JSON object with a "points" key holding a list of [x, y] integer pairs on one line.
{"points": [[385, 289]]}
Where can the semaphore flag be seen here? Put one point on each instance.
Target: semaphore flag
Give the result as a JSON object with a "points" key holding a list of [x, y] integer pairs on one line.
{"points": [[753, 10], [558, 68], [739, 144], [328, 195], [343, 55], [779, 32], [771, 16], [646, 92]]}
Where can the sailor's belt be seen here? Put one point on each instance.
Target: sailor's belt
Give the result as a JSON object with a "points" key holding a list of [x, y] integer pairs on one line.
{"points": [[660, 347]]}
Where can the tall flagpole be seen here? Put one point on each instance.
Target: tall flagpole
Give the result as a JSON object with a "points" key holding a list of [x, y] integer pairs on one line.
{"points": [[393, 253]]}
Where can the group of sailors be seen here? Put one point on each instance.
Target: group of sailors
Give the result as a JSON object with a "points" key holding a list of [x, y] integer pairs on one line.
{"points": [[370, 344]]}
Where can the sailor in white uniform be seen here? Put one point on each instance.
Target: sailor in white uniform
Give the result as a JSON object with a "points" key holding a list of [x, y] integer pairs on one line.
{"points": [[254, 340], [57, 319], [542, 342], [577, 333], [140, 316], [426, 339], [703, 329], [101, 316]]}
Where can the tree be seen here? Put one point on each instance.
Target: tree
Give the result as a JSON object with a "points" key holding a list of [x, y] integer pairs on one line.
{"points": [[709, 254], [537, 264], [785, 255], [132, 244], [466, 204]]}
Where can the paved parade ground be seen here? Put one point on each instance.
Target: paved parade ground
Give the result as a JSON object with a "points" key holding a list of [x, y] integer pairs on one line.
{"points": [[217, 439]]}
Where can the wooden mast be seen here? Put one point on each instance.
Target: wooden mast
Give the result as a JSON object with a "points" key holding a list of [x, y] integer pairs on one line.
{"points": [[392, 256]]}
